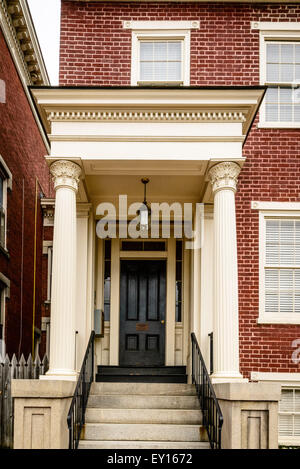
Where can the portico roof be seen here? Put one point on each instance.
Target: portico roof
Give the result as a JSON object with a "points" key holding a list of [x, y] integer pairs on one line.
{"points": [[174, 135], [153, 104]]}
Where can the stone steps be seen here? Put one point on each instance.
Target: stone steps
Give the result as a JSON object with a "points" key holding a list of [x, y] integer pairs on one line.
{"points": [[143, 388], [118, 445], [142, 374], [153, 416], [140, 432], [143, 416], [138, 401]]}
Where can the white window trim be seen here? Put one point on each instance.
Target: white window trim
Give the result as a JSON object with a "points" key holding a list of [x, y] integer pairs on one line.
{"points": [[164, 30], [279, 31], [271, 210]]}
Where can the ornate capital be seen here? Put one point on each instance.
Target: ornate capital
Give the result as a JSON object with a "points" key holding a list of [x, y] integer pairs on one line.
{"points": [[224, 176], [65, 174]]}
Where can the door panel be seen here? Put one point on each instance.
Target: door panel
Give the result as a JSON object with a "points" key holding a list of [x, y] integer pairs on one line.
{"points": [[142, 313]]}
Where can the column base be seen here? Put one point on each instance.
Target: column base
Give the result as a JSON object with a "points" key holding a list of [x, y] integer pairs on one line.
{"points": [[60, 375], [228, 378]]}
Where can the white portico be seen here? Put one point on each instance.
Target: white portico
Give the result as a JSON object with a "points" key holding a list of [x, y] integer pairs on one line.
{"points": [[188, 141]]}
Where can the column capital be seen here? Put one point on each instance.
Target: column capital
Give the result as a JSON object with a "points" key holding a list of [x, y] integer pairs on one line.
{"points": [[65, 174], [224, 176]]}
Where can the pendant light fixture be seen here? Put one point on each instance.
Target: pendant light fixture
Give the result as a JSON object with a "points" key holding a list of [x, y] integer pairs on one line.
{"points": [[145, 211]]}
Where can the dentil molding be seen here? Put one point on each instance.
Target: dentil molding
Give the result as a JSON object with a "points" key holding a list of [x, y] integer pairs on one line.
{"points": [[224, 176], [177, 116]]}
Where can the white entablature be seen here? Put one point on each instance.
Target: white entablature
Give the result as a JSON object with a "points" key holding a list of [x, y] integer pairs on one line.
{"points": [[147, 123]]}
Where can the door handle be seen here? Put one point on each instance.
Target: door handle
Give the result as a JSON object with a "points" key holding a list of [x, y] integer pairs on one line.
{"points": [[163, 321]]}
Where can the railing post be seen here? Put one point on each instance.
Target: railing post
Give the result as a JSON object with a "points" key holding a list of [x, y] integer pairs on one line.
{"points": [[193, 366]]}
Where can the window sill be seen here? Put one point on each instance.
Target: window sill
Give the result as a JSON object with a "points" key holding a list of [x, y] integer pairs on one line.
{"points": [[160, 83], [278, 125], [279, 320], [289, 441], [5, 252]]}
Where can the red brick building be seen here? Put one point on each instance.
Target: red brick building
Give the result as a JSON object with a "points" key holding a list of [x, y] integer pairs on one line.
{"points": [[203, 99], [225, 50], [24, 181]]}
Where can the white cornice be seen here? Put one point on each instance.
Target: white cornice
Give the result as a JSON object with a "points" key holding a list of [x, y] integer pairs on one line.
{"points": [[20, 36], [233, 105]]}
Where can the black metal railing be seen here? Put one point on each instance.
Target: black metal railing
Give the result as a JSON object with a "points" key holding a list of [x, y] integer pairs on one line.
{"points": [[212, 415], [76, 415]]}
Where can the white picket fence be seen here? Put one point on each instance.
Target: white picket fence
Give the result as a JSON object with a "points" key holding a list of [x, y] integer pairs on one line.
{"points": [[9, 370]]}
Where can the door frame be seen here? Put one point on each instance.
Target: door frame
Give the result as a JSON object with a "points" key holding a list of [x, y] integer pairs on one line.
{"points": [[116, 256]]}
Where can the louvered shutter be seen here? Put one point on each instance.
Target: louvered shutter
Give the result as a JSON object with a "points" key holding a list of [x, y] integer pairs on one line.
{"points": [[289, 416], [282, 267]]}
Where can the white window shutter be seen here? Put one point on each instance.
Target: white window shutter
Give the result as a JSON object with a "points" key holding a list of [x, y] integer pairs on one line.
{"points": [[289, 414]]}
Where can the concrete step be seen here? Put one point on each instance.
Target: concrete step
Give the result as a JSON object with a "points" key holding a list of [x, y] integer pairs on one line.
{"points": [[141, 432], [143, 401], [167, 389], [172, 378], [118, 445], [146, 416], [144, 370]]}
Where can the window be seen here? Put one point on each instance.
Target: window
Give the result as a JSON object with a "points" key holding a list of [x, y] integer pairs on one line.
{"points": [[160, 61], [280, 71], [5, 184], [179, 290], [107, 278], [4, 293], [2, 211], [49, 273], [279, 256], [289, 417], [160, 51], [143, 246]]}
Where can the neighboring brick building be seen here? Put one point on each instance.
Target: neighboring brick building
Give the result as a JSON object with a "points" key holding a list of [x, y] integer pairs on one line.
{"points": [[24, 181], [202, 98]]}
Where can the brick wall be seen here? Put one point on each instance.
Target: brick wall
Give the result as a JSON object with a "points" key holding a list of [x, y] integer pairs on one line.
{"points": [[23, 150], [96, 50]]}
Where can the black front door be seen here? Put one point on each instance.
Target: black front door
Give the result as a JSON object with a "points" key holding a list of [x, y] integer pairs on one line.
{"points": [[142, 313]]}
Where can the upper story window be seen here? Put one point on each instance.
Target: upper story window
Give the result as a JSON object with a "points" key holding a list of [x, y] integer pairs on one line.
{"points": [[160, 52], [161, 61], [280, 71], [283, 79], [5, 183]]}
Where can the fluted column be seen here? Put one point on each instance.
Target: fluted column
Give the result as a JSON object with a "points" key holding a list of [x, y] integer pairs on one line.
{"points": [[62, 327], [223, 177]]}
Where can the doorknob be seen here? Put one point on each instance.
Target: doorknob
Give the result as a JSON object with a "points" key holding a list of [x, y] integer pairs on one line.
{"points": [[162, 322]]}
